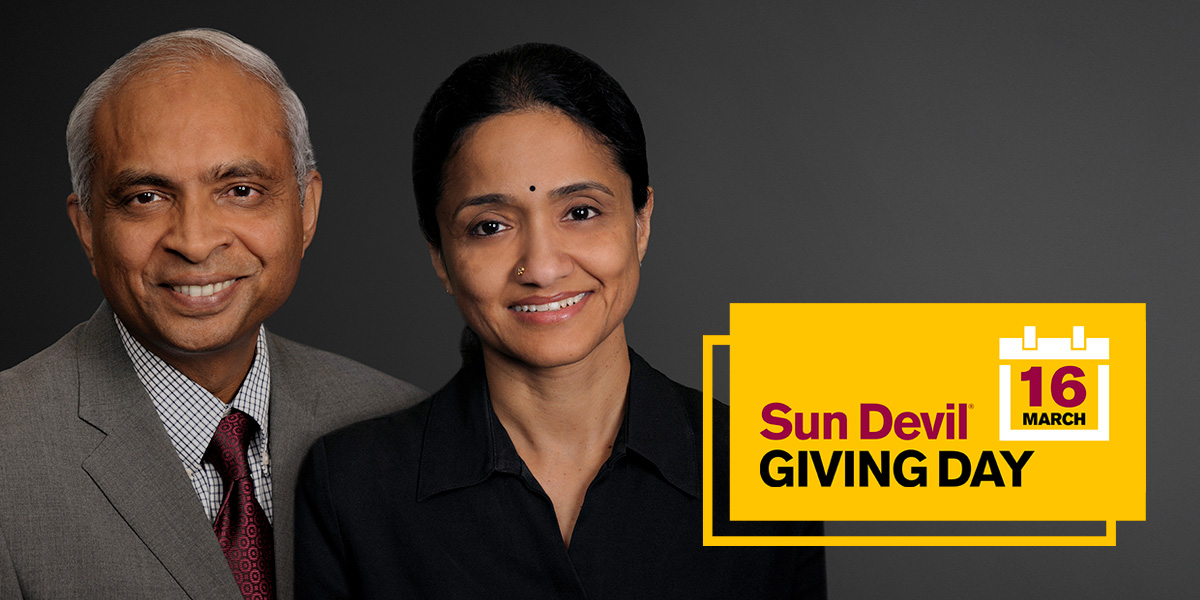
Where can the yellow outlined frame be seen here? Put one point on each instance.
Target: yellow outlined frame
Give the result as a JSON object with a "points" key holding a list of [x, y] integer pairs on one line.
{"points": [[1108, 539]]}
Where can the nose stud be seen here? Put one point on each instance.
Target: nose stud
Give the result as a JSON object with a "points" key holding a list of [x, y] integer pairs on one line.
{"points": [[520, 271]]}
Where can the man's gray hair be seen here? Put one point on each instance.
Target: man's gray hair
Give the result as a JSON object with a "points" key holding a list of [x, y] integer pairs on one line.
{"points": [[178, 52]]}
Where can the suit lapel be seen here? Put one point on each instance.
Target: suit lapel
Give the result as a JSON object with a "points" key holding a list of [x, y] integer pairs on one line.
{"points": [[138, 470], [293, 415]]}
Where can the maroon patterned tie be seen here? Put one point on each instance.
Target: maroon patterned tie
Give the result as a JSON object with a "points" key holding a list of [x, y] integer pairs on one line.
{"points": [[242, 526]]}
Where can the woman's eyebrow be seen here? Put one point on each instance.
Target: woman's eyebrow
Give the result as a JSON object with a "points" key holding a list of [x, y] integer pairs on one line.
{"points": [[566, 190], [479, 200], [582, 186]]}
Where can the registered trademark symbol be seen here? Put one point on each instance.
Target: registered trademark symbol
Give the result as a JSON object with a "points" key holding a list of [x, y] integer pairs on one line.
{"points": [[970, 406]]}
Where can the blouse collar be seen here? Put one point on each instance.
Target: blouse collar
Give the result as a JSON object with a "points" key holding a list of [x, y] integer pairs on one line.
{"points": [[465, 443]]}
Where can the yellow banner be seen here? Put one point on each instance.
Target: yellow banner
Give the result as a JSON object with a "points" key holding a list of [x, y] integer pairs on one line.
{"points": [[934, 412]]}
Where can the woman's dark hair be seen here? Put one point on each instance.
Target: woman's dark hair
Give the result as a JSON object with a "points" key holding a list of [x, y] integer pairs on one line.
{"points": [[524, 77]]}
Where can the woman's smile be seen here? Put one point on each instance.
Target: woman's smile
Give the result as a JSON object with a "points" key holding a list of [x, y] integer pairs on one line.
{"points": [[557, 310], [553, 304]]}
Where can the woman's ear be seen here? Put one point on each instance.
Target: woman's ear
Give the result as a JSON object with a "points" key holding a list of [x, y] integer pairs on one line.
{"points": [[643, 224], [439, 266]]}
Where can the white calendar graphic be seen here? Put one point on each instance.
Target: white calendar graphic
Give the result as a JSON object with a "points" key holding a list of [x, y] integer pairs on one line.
{"points": [[1054, 389]]}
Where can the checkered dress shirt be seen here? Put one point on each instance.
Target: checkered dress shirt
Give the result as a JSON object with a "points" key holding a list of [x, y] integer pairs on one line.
{"points": [[190, 415]]}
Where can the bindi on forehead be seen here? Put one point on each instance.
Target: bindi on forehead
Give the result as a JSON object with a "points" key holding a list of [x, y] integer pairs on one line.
{"points": [[533, 188]]}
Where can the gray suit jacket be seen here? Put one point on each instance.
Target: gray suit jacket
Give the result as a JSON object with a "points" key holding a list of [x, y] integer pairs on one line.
{"points": [[94, 502]]}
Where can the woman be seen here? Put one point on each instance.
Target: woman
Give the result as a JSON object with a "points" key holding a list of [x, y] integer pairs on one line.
{"points": [[556, 463]]}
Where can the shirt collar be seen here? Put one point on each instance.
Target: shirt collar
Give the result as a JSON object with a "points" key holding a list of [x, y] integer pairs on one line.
{"points": [[663, 425], [191, 413], [464, 442]]}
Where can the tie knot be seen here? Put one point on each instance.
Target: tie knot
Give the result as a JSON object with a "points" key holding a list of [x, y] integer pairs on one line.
{"points": [[227, 450]]}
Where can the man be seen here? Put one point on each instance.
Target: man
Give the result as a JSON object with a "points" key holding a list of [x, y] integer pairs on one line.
{"points": [[152, 452]]}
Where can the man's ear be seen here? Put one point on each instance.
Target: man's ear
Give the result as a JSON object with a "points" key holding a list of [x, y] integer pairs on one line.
{"points": [[83, 227], [311, 206], [439, 266], [643, 224]]}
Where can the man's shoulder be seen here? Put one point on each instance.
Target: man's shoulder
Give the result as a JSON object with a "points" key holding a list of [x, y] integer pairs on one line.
{"points": [[336, 389], [93, 342], [334, 369], [54, 369], [40, 425], [56, 355]]}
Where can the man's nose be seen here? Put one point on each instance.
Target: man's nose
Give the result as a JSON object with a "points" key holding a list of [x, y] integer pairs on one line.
{"points": [[197, 230]]}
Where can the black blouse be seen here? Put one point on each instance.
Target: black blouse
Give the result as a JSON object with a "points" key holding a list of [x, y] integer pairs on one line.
{"points": [[434, 502]]}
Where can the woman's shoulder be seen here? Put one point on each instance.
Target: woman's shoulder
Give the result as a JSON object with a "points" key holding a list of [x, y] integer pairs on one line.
{"points": [[647, 380]]}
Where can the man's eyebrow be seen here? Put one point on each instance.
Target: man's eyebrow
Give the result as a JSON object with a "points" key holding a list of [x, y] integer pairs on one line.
{"points": [[240, 169], [137, 178], [480, 200], [129, 178], [582, 186]]}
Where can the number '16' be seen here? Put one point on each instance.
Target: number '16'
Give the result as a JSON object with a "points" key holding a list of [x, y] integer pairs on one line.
{"points": [[1058, 386]]}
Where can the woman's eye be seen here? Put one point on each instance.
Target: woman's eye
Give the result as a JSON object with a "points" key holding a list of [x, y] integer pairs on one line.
{"points": [[487, 228], [582, 213]]}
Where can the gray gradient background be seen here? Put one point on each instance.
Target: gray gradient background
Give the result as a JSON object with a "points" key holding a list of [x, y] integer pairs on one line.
{"points": [[800, 152]]}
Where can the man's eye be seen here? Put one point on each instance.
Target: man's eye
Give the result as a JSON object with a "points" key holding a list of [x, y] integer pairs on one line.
{"points": [[582, 213], [145, 198], [487, 228], [242, 191]]}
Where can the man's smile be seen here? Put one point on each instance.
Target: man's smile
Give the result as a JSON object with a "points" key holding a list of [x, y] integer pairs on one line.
{"points": [[202, 290]]}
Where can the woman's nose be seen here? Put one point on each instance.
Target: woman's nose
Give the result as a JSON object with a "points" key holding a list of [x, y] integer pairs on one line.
{"points": [[545, 259]]}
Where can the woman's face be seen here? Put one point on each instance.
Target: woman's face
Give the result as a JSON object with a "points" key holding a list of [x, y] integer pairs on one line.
{"points": [[540, 242]]}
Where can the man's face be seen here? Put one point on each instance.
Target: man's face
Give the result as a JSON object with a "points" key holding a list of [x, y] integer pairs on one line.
{"points": [[196, 231]]}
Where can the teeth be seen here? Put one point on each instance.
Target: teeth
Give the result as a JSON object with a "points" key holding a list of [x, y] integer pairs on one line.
{"points": [[552, 306], [197, 291]]}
